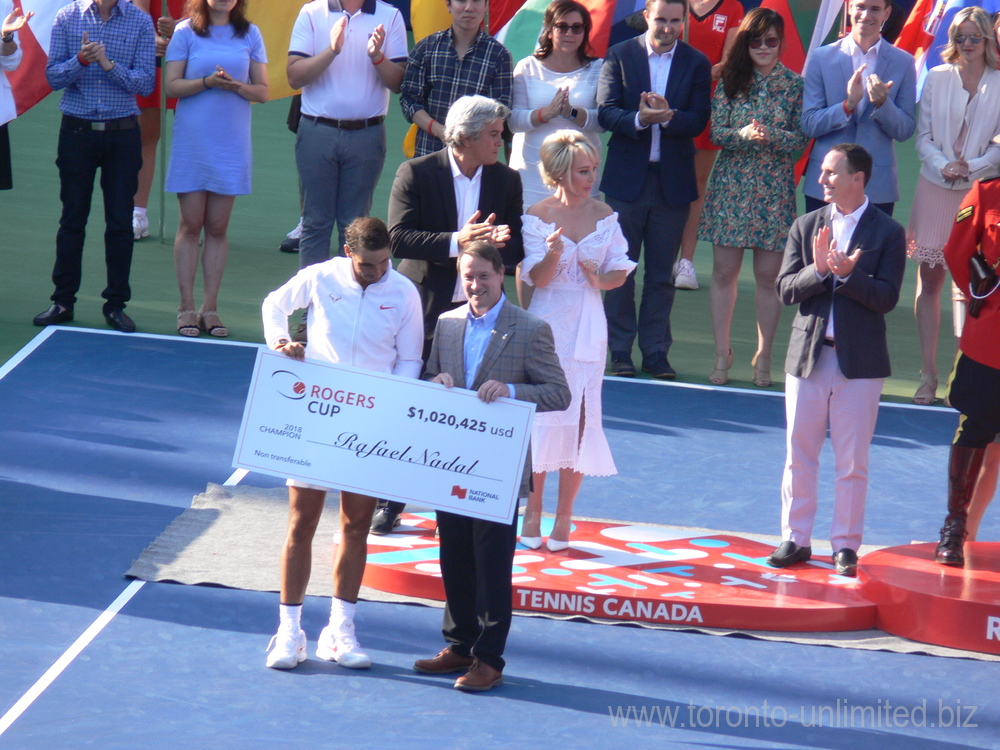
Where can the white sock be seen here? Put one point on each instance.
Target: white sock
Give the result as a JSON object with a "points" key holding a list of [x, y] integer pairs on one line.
{"points": [[342, 616], [139, 211], [290, 616]]}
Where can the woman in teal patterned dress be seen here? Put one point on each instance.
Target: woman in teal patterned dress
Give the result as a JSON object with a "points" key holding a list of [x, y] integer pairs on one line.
{"points": [[751, 195]]}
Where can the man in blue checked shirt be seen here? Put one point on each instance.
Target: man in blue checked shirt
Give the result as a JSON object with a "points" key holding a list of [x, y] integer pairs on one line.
{"points": [[101, 55]]}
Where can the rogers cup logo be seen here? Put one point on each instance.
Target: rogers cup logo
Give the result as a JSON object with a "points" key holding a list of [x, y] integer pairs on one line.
{"points": [[288, 384]]}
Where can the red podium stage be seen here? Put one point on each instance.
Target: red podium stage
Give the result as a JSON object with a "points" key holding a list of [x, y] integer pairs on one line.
{"points": [[643, 574], [931, 603]]}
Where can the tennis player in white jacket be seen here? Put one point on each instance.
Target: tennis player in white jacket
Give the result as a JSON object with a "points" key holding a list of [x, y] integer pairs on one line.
{"points": [[364, 314]]}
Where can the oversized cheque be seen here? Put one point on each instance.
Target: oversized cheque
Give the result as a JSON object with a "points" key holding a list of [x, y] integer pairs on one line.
{"points": [[384, 436]]}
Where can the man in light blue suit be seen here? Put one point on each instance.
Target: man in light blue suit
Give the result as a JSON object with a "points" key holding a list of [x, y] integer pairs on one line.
{"points": [[863, 90]]}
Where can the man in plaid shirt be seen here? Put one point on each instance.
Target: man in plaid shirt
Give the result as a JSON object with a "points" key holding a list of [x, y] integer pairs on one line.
{"points": [[462, 60], [101, 55]]}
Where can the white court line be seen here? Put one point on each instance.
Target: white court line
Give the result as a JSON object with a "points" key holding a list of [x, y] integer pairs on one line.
{"points": [[27, 349], [235, 478], [69, 655]]}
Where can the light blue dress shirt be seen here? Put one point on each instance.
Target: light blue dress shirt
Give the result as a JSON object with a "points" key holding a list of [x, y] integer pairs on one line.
{"points": [[477, 338]]}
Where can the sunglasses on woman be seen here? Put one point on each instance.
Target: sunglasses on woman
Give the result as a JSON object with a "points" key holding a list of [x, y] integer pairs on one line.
{"points": [[575, 28], [963, 38], [771, 42]]}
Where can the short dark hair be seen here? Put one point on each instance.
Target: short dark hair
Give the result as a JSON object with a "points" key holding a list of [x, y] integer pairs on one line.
{"points": [[367, 233], [649, 4], [858, 159], [486, 251]]}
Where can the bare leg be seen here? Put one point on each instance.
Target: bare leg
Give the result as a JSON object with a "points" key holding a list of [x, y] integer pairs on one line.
{"points": [[986, 487], [218, 209], [569, 486], [722, 300], [927, 310], [352, 552], [766, 265], [192, 219], [531, 525], [149, 131], [704, 160], [305, 506]]}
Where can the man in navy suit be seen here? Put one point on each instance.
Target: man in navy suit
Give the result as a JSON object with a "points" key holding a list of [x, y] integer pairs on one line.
{"points": [[843, 267], [654, 98], [860, 89]]}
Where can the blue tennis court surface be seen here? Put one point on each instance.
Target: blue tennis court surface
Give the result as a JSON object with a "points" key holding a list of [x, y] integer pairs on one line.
{"points": [[105, 438]]}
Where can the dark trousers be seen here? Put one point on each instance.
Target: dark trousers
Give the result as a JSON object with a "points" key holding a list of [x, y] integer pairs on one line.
{"points": [[476, 560], [647, 221], [812, 204], [975, 391], [118, 154]]}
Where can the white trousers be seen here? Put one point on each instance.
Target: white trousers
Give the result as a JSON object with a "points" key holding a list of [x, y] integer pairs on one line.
{"points": [[850, 407]]}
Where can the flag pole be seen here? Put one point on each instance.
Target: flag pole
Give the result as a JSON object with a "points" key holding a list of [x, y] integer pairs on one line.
{"points": [[158, 4]]}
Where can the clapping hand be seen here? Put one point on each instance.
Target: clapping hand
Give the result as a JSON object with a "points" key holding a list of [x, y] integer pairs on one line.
{"points": [[856, 87], [756, 132], [375, 42], [220, 79], [338, 34], [495, 234], [878, 92], [956, 170], [654, 109], [555, 242], [559, 104], [589, 270], [15, 21], [90, 52]]}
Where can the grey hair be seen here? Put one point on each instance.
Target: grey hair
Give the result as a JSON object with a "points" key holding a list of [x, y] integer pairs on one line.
{"points": [[469, 116]]}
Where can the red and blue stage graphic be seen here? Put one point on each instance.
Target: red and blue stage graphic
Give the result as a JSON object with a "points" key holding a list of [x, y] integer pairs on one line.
{"points": [[643, 574]]}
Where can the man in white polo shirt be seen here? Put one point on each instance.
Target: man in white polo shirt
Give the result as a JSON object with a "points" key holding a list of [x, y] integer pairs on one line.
{"points": [[346, 56]]}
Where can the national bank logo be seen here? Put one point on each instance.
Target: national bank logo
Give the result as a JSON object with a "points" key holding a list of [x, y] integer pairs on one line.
{"points": [[288, 384]]}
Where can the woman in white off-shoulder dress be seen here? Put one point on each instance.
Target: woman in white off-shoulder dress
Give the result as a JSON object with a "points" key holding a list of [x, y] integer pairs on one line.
{"points": [[573, 249]]}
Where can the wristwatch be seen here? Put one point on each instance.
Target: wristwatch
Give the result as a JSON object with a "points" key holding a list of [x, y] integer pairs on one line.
{"points": [[7, 38], [573, 113]]}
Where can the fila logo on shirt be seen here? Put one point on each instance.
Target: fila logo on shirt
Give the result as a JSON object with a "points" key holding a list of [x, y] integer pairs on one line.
{"points": [[719, 22]]}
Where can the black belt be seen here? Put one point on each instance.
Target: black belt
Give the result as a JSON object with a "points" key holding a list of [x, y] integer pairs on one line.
{"points": [[829, 342], [122, 123], [347, 124]]}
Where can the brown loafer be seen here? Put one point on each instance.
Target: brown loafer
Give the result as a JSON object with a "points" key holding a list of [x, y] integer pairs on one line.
{"points": [[444, 663], [479, 678]]}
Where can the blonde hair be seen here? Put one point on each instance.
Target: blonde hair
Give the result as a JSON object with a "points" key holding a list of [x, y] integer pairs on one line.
{"points": [[984, 24], [557, 154]]}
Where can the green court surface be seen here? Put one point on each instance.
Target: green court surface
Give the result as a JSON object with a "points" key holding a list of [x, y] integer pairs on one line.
{"points": [[29, 217]]}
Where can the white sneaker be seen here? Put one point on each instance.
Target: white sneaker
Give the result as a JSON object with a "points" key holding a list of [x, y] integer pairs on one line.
{"points": [[287, 649], [684, 275], [140, 226], [343, 649], [296, 233]]}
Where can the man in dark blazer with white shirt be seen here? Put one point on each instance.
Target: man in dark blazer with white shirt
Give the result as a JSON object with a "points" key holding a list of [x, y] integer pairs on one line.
{"points": [[424, 221], [654, 98], [843, 267], [428, 228]]}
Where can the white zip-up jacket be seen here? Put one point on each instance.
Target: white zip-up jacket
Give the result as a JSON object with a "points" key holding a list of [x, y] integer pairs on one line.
{"points": [[380, 328]]}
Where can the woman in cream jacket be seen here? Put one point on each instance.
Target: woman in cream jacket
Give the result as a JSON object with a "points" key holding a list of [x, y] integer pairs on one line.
{"points": [[959, 118]]}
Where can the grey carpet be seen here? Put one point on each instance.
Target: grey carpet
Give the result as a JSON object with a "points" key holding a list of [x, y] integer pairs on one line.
{"points": [[232, 537]]}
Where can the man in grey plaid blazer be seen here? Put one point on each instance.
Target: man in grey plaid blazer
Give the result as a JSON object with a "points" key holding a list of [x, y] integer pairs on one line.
{"points": [[498, 350]]}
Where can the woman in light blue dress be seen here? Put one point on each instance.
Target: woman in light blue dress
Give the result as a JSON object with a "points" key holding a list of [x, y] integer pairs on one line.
{"points": [[216, 66]]}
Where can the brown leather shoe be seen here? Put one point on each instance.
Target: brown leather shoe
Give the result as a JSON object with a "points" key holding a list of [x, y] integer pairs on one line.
{"points": [[479, 678], [444, 663]]}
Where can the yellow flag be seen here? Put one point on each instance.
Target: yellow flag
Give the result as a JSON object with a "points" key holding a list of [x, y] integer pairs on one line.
{"points": [[275, 19]]}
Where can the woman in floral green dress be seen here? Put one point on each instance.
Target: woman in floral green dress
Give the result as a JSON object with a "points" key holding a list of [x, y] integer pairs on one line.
{"points": [[751, 195]]}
